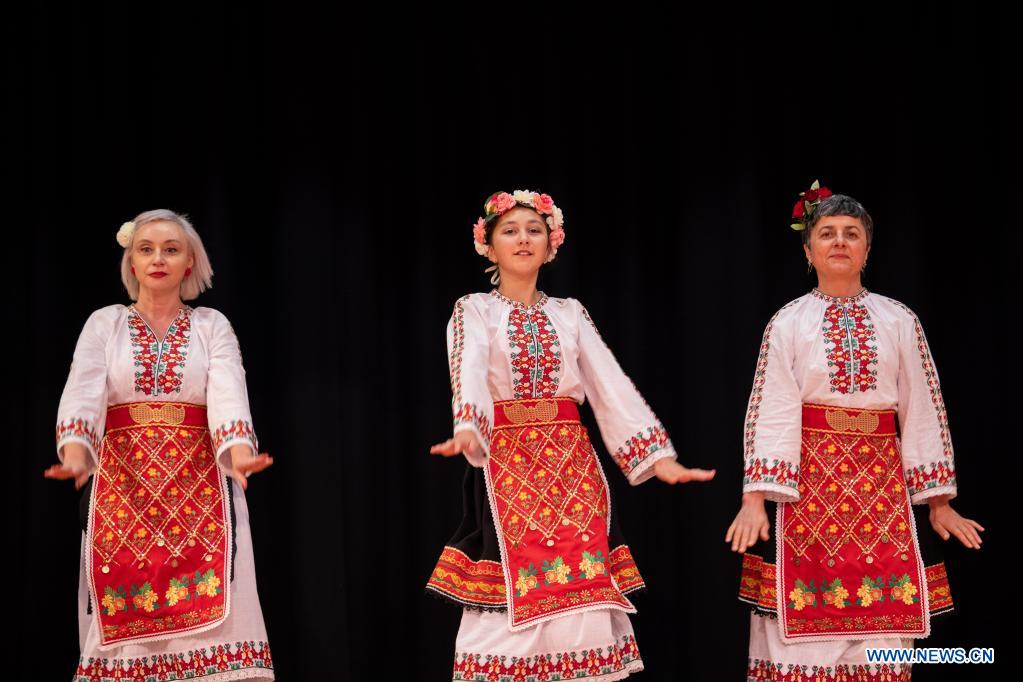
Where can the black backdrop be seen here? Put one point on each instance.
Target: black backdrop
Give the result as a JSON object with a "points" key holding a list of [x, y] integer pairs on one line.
{"points": [[334, 166]]}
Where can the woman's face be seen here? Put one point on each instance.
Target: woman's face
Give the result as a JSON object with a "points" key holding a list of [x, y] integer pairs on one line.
{"points": [[838, 246], [159, 255], [519, 242]]}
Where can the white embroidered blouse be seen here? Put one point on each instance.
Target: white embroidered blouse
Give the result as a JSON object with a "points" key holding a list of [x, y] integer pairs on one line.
{"points": [[865, 351], [500, 349], [119, 359]]}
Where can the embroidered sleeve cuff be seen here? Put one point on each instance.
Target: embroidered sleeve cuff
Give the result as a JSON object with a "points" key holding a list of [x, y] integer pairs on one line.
{"points": [[773, 492], [471, 418], [778, 478], [645, 470], [640, 452], [922, 496], [928, 480], [234, 432], [78, 430]]}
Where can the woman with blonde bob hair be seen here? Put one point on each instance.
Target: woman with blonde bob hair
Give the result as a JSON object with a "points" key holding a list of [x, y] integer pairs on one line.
{"points": [[154, 426]]}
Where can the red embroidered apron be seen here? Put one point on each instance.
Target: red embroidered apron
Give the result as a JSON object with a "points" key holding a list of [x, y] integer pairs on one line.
{"points": [[159, 529], [551, 510], [849, 564]]}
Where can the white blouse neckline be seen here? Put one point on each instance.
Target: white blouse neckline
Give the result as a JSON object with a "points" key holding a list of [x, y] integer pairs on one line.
{"points": [[841, 300], [540, 302]]}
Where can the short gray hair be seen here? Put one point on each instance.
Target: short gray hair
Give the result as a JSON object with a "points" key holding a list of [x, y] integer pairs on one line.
{"points": [[202, 272], [840, 204]]}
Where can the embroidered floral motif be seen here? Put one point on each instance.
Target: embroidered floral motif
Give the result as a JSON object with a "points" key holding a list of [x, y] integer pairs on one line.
{"points": [[573, 599], [177, 590], [144, 598], [757, 394], [527, 580], [207, 584], [585, 664], [236, 429], [591, 565], [870, 591], [767, 671], [535, 353], [197, 663], [76, 427], [470, 414], [640, 447], [556, 572], [777, 471], [931, 374], [903, 590], [114, 600], [802, 595], [458, 577], [851, 346], [757, 587], [159, 365], [930, 476]]}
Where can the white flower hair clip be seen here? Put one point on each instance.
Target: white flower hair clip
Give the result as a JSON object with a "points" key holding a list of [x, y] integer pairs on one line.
{"points": [[125, 234]]}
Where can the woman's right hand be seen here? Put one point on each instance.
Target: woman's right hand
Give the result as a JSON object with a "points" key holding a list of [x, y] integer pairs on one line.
{"points": [[462, 442], [74, 466], [749, 524]]}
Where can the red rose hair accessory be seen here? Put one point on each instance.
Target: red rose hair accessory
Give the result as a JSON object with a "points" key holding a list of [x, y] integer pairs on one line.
{"points": [[808, 202], [499, 203]]}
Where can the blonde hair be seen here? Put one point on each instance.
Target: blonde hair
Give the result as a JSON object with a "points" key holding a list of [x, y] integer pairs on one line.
{"points": [[194, 284]]}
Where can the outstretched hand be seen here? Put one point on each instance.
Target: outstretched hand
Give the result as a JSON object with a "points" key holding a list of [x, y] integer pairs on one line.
{"points": [[244, 465], [462, 442], [64, 472], [749, 524], [73, 467], [947, 522], [671, 472]]}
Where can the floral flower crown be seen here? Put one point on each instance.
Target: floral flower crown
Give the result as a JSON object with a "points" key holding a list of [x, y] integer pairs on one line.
{"points": [[500, 203], [125, 234], [802, 212]]}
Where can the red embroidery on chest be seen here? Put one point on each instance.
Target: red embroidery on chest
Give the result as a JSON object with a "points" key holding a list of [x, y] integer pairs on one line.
{"points": [[535, 353], [159, 366], [851, 346]]}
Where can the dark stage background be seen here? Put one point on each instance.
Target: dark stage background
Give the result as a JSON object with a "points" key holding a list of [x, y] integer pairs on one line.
{"points": [[334, 167]]}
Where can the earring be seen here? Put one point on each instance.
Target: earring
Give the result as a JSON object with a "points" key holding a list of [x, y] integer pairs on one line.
{"points": [[188, 272], [809, 266], [133, 269]]}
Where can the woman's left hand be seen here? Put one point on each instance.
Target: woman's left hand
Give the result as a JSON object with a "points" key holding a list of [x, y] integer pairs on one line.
{"points": [[243, 464], [947, 522], [670, 471]]}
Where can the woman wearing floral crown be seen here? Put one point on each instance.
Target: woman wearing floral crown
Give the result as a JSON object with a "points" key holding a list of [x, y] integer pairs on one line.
{"points": [[538, 562], [845, 432], [155, 412]]}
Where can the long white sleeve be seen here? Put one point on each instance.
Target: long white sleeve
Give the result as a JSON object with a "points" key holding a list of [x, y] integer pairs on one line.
{"points": [[227, 398], [774, 419], [630, 429], [468, 362], [81, 417], [923, 424]]}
